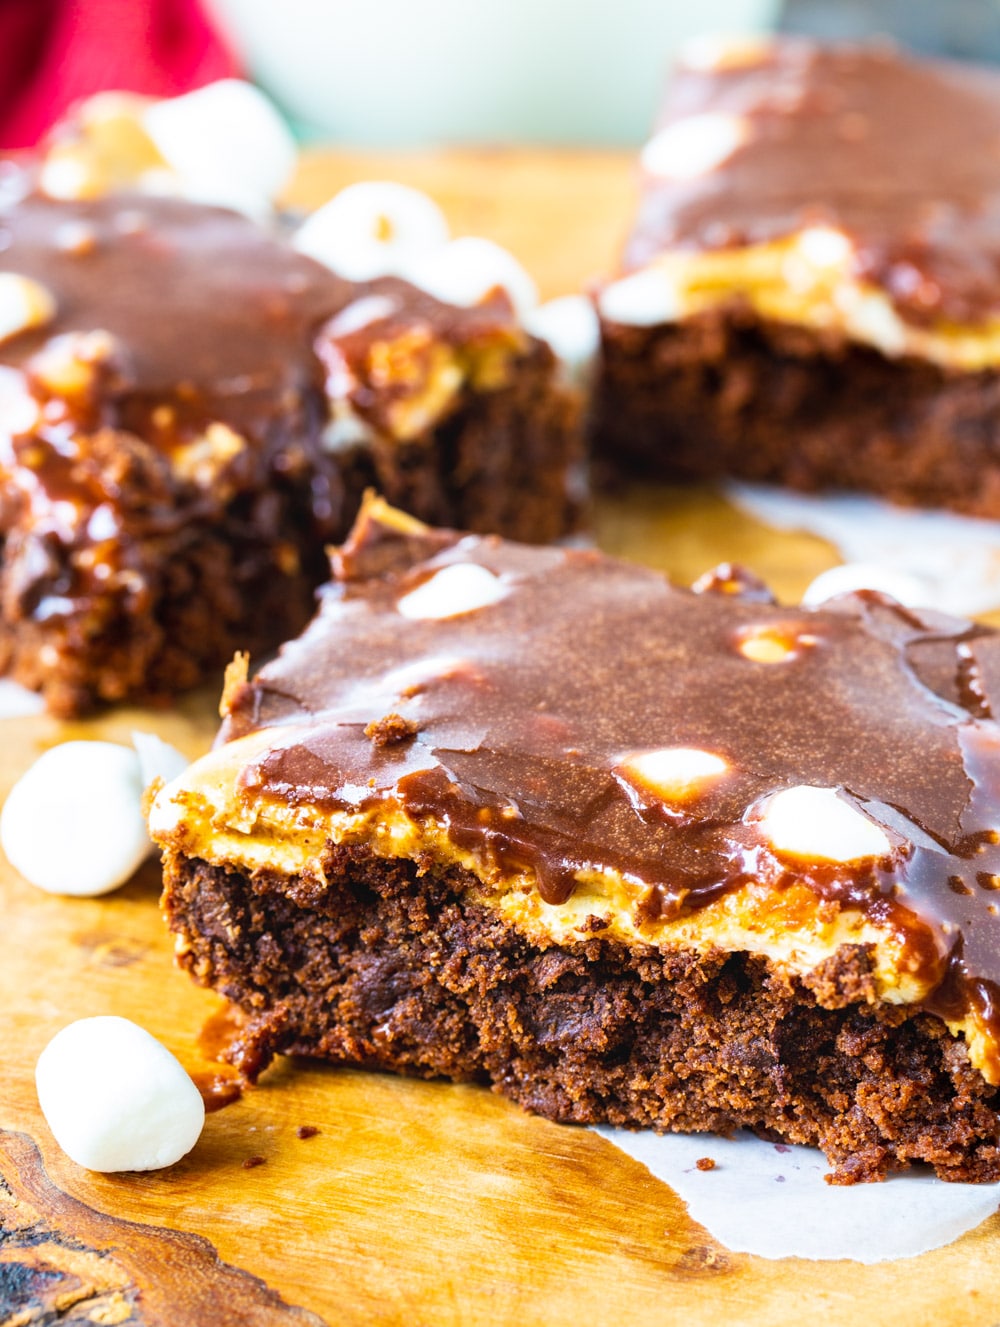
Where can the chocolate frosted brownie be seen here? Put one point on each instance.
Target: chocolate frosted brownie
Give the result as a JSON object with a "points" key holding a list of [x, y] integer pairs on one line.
{"points": [[811, 292], [190, 410], [629, 853]]}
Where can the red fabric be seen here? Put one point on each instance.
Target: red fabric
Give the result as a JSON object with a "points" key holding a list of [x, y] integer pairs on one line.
{"points": [[53, 52]]}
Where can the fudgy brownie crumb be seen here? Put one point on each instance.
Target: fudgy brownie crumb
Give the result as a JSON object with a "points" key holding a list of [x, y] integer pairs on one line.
{"points": [[726, 393], [393, 970]]}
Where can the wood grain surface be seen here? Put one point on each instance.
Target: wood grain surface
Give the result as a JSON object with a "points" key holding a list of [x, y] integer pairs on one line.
{"points": [[414, 1203]]}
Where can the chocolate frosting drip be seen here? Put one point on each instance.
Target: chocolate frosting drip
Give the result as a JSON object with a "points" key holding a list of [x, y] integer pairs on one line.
{"points": [[524, 710], [903, 155]]}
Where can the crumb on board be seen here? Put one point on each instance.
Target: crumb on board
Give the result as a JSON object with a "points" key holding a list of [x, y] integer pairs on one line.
{"points": [[306, 1131], [705, 1163], [253, 1162]]}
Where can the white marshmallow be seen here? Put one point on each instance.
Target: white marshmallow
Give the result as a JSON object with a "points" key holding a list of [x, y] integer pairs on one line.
{"points": [[226, 142], [18, 408], [73, 823], [345, 430], [362, 313], [571, 328], [157, 759], [818, 825], [375, 228], [869, 317], [459, 588], [643, 299], [115, 1098], [24, 305], [218, 192], [822, 246], [771, 644], [694, 145], [674, 773], [464, 271], [850, 576], [64, 177]]}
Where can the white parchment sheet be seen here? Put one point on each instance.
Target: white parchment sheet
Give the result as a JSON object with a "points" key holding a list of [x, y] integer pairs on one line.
{"points": [[957, 558], [771, 1200]]}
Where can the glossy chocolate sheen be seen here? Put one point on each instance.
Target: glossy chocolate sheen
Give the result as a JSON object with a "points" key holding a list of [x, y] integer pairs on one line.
{"points": [[524, 710], [901, 154], [197, 298]]}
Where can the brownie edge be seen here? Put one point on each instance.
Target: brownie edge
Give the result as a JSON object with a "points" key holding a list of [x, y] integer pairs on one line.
{"points": [[726, 394], [393, 966]]}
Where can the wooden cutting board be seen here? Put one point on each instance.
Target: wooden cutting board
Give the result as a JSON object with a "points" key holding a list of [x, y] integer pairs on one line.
{"points": [[415, 1203]]}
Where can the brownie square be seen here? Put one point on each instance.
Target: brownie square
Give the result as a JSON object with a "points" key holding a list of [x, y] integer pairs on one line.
{"points": [[190, 412], [811, 291], [629, 853]]}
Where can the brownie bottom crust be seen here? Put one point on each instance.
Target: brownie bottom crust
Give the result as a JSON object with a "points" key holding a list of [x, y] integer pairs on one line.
{"points": [[728, 394], [388, 967]]}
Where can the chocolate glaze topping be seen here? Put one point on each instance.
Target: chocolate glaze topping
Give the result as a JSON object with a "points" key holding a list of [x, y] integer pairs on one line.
{"points": [[191, 318], [901, 154], [194, 295], [513, 721]]}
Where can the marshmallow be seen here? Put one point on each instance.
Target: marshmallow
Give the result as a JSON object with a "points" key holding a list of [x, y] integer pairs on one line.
{"points": [[673, 773], [694, 145], [869, 317], [822, 246], [643, 299], [373, 229], [851, 576], [456, 589], [464, 271], [73, 823], [115, 1098], [771, 644], [24, 305], [571, 328], [361, 313], [818, 825], [235, 195], [65, 177], [18, 408], [157, 759], [226, 143], [345, 430]]}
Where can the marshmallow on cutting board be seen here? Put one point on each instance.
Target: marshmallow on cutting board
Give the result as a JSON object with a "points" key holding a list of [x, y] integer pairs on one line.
{"points": [[73, 823], [115, 1098]]}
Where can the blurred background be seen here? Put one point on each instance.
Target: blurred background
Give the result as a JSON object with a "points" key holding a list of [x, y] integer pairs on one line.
{"points": [[399, 73]]}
